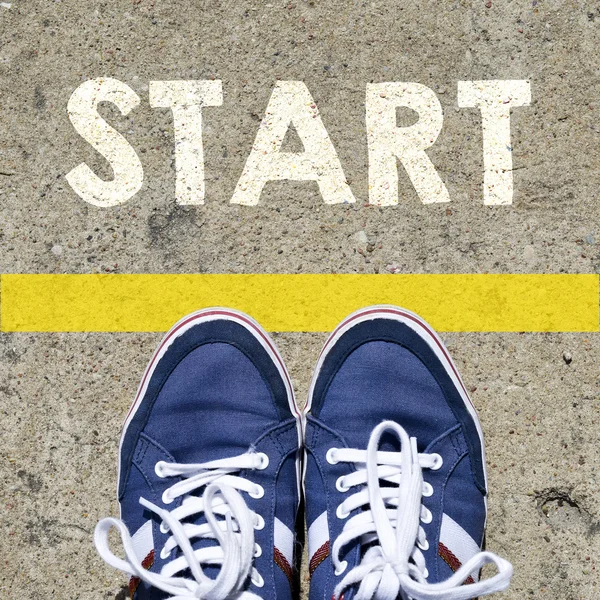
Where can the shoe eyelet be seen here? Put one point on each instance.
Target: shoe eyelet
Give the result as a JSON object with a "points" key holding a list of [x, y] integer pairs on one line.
{"points": [[164, 555], [259, 581], [264, 461], [427, 490], [339, 486], [166, 498], [428, 517], [340, 514], [257, 551], [423, 546], [260, 523], [426, 573], [343, 566], [259, 493], [163, 528], [439, 461], [330, 456], [158, 469]]}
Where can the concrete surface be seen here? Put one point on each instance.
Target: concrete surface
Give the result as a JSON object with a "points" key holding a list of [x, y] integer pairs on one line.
{"points": [[63, 396]]}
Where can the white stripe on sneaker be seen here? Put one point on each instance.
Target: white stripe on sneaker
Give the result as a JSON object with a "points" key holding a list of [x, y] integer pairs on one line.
{"points": [[142, 541], [456, 546], [283, 552], [318, 542], [284, 540]]}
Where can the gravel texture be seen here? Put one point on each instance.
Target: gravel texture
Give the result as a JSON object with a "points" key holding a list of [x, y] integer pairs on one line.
{"points": [[63, 396]]}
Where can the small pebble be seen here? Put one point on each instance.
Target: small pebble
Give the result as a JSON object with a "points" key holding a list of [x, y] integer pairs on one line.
{"points": [[567, 357], [529, 253], [361, 237], [56, 249]]}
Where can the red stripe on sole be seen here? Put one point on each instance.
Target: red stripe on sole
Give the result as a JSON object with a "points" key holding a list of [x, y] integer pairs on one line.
{"points": [[318, 557], [451, 560], [134, 582], [282, 562]]}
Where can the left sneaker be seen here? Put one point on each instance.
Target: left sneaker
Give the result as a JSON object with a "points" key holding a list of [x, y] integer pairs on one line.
{"points": [[395, 478], [209, 467]]}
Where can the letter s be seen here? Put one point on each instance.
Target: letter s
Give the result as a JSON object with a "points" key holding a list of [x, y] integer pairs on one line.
{"points": [[128, 171]]}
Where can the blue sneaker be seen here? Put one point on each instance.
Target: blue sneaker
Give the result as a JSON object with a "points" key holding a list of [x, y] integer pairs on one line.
{"points": [[209, 467], [395, 477]]}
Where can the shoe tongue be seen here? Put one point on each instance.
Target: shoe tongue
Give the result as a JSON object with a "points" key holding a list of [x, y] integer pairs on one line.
{"points": [[389, 442], [211, 571]]}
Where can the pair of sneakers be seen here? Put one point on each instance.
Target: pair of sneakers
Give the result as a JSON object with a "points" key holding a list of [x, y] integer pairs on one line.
{"points": [[388, 456]]}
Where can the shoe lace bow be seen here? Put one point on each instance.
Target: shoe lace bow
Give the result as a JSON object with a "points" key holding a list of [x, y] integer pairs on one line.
{"points": [[393, 565], [233, 532]]}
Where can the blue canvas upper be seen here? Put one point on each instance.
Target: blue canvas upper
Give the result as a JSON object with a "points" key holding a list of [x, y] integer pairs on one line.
{"points": [[216, 393], [382, 370]]}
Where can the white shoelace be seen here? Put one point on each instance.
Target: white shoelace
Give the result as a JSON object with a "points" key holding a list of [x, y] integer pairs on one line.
{"points": [[395, 566], [234, 534]]}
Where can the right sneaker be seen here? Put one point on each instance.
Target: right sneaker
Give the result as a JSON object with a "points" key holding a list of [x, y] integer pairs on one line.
{"points": [[209, 468], [395, 478]]}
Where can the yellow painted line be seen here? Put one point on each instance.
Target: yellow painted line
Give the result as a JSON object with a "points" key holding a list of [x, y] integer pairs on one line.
{"points": [[298, 302]]}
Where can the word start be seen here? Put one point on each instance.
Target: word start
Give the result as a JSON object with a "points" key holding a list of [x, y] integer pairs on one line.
{"points": [[291, 105]]}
